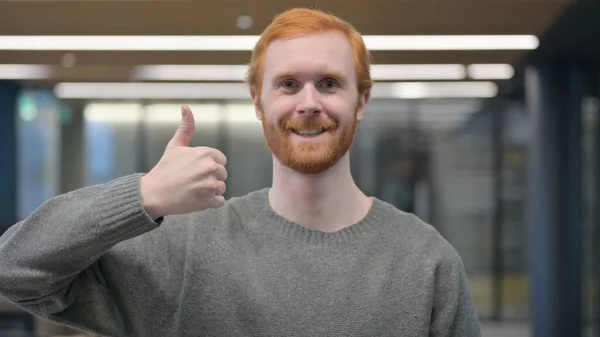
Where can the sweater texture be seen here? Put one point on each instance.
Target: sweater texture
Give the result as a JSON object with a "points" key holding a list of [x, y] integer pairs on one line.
{"points": [[93, 259]]}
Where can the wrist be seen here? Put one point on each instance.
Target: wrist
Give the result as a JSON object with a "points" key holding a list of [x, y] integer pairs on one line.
{"points": [[153, 213], [149, 203]]}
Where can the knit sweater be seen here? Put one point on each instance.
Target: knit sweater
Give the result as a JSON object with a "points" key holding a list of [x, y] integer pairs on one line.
{"points": [[93, 259]]}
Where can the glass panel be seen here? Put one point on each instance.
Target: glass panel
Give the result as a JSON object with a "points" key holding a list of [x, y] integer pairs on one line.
{"points": [[38, 152], [462, 179], [112, 133], [250, 165], [515, 276]]}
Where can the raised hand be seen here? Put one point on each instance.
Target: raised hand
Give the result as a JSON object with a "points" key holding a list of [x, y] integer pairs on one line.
{"points": [[186, 179]]}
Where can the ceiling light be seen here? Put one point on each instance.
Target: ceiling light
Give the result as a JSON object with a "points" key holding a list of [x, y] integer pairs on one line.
{"points": [[244, 22], [422, 90], [247, 42], [403, 90], [423, 116], [170, 113], [25, 72], [452, 42], [442, 118], [240, 113], [73, 90], [383, 72], [68, 60], [379, 72], [120, 42], [113, 113], [190, 72], [490, 71]]}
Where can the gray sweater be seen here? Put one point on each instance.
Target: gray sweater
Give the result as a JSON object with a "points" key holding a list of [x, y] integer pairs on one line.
{"points": [[94, 260]]}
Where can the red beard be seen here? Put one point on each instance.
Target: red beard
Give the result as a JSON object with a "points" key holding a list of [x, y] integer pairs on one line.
{"points": [[309, 157]]}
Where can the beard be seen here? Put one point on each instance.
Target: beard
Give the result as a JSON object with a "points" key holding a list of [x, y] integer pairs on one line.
{"points": [[311, 157]]}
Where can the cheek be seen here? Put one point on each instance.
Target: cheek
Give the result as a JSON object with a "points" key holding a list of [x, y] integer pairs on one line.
{"points": [[276, 108], [340, 108]]}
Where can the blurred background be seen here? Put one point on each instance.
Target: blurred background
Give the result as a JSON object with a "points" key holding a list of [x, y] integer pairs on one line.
{"points": [[484, 122]]}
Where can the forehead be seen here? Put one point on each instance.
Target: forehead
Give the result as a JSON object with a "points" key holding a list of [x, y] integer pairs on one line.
{"points": [[315, 53]]}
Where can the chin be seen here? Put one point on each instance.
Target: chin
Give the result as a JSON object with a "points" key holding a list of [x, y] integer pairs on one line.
{"points": [[311, 162]]}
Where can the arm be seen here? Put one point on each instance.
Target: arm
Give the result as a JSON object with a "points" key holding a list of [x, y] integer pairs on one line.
{"points": [[453, 313], [80, 259], [52, 263]]}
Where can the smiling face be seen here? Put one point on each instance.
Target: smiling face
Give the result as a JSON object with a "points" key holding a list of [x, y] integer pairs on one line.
{"points": [[309, 102]]}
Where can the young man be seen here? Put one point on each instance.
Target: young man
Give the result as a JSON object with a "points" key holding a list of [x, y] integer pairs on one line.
{"points": [[163, 254]]}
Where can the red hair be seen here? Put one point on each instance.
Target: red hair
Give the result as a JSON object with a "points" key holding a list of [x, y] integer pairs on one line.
{"points": [[302, 21]]}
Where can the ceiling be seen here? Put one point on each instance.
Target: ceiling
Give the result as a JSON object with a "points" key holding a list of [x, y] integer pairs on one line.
{"points": [[572, 39], [575, 35], [217, 17]]}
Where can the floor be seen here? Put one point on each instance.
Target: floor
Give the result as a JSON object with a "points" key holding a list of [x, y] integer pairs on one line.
{"points": [[505, 329], [519, 329]]}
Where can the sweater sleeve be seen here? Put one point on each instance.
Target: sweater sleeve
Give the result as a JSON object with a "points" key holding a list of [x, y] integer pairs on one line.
{"points": [[453, 314], [60, 263]]}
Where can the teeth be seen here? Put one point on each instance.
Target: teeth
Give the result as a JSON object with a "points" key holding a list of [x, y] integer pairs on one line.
{"points": [[309, 132]]}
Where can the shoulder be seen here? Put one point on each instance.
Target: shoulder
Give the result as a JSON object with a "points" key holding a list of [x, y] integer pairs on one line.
{"points": [[412, 235], [209, 224], [235, 210], [177, 237], [185, 230]]}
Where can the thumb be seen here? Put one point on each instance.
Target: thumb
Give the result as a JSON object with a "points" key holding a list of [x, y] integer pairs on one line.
{"points": [[185, 130]]}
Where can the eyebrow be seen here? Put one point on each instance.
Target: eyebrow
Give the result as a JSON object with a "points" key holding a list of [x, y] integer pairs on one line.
{"points": [[334, 74]]}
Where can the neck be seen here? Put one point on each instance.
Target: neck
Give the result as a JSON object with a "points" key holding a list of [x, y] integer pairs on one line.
{"points": [[328, 201]]}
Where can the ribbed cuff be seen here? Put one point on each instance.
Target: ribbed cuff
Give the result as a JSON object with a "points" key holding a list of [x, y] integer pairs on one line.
{"points": [[120, 209]]}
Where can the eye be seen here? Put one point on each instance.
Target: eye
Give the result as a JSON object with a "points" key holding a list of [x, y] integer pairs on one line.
{"points": [[287, 84], [330, 83]]}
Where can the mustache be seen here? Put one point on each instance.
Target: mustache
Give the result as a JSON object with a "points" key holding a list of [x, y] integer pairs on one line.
{"points": [[308, 123]]}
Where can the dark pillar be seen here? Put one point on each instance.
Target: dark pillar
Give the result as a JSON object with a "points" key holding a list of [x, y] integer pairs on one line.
{"points": [[571, 226], [596, 200], [73, 151], [554, 94], [497, 140], [8, 155]]}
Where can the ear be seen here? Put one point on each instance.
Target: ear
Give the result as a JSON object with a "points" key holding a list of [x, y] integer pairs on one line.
{"points": [[257, 105], [363, 100]]}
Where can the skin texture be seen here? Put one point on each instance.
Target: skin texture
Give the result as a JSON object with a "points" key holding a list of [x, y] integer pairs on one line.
{"points": [[186, 179], [310, 83]]}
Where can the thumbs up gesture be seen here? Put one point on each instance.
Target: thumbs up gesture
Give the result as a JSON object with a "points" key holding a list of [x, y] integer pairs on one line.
{"points": [[186, 179]]}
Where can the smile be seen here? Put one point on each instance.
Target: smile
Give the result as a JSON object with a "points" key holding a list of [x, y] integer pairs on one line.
{"points": [[310, 132]]}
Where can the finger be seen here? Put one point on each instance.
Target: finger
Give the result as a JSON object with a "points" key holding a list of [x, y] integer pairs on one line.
{"points": [[218, 201], [221, 173], [185, 130], [219, 157], [221, 188]]}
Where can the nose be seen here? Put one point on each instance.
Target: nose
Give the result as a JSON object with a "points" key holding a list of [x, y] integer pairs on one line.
{"points": [[309, 103]]}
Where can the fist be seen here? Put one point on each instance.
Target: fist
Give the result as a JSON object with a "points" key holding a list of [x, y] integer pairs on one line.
{"points": [[186, 179]]}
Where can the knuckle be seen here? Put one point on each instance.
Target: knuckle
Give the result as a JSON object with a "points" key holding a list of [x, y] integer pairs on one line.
{"points": [[213, 185], [209, 165], [202, 151], [212, 166]]}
